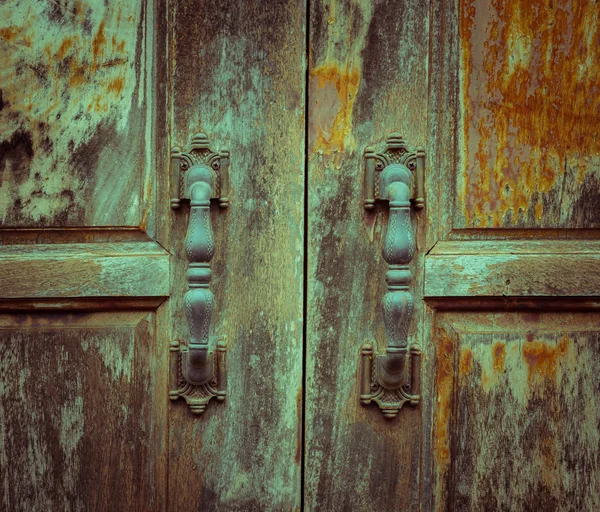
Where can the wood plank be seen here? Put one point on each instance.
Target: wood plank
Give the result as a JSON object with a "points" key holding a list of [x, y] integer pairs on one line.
{"points": [[78, 104], [517, 412], [367, 79], [488, 247], [84, 270], [238, 75], [82, 425], [535, 275]]}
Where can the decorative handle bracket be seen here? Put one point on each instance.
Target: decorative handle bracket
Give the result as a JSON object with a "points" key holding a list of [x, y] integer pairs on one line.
{"points": [[395, 175], [200, 174]]}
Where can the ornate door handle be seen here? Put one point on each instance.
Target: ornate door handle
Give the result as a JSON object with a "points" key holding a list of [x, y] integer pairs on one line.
{"points": [[393, 378], [200, 174]]}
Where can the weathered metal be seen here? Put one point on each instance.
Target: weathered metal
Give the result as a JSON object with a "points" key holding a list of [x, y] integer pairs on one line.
{"points": [[199, 174], [392, 379]]}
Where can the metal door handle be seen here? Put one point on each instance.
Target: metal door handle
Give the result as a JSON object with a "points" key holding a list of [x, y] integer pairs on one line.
{"points": [[393, 378], [200, 174]]}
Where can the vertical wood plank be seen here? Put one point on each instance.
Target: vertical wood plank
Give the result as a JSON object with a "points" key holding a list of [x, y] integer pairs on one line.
{"points": [[367, 79], [238, 75]]}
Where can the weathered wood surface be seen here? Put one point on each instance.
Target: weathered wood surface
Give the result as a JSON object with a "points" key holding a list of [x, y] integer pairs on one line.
{"points": [[77, 111], [367, 79], [531, 107], [539, 269], [511, 415], [84, 270], [517, 423], [238, 75], [82, 412], [83, 399]]}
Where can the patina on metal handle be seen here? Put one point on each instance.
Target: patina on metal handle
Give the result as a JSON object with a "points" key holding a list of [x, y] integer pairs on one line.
{"points": [[201, 174], [393, 378]]}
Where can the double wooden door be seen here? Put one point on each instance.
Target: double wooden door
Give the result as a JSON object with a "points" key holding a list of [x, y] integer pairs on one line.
{"points": [[504, 98]]}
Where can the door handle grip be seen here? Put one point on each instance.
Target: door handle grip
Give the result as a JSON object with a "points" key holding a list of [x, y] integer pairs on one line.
{"points": [[201, 174], [394, 176]]}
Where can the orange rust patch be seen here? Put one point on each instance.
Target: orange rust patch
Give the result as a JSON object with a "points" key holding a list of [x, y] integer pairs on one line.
{"points": [[332, 91], [542, 359], [532, 104], [98, 44], [9, 33], [65, 46], [499, 356], [115, 86], [465, 365], [444, 385]]}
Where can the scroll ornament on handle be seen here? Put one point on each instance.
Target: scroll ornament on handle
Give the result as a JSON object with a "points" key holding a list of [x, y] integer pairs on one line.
{"points": [[396, 176], [199, 174]]}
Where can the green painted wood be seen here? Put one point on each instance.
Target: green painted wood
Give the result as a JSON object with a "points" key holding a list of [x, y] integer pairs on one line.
{"points": [[83, 257], [367, 79], [238, 76]]}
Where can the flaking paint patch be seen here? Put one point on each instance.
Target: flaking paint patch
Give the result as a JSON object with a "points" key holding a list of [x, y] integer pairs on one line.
{"points": [[531, 102]]}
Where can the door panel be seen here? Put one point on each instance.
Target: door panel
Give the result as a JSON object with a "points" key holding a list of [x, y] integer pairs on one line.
{"points": [[529, 96], [518, 418], [367, 79], [78, 95], [82, 411], [238, 73], [511, 287]]}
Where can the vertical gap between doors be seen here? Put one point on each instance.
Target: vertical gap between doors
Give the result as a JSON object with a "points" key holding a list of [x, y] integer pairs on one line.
{"points": [[305, 265]]}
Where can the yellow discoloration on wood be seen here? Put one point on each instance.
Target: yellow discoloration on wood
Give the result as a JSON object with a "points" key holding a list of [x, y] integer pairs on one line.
{"points": [[332, 92], [523, 408]]}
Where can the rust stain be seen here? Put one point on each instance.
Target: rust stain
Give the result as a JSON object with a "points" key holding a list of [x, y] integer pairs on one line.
{"points": [[498, 356], [65, 46], [333, 90], [532, 104], [59, 84], [444, 385], [542, 359], [115, 86], [465, 365], [9, 33], [98, 44]]}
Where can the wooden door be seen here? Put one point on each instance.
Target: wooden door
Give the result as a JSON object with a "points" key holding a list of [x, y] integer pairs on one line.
{"points": [[93, 266], [84, 272], [504, 97], [505, 274], [513, 271]]}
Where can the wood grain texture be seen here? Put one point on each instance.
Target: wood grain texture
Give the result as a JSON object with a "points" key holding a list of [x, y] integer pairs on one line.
{"points": [[77, 109], [512, 189], [238, 72], [517, 422], [84, 270], [81, 421], [531, 102], [531, 275], [367, 79]]}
